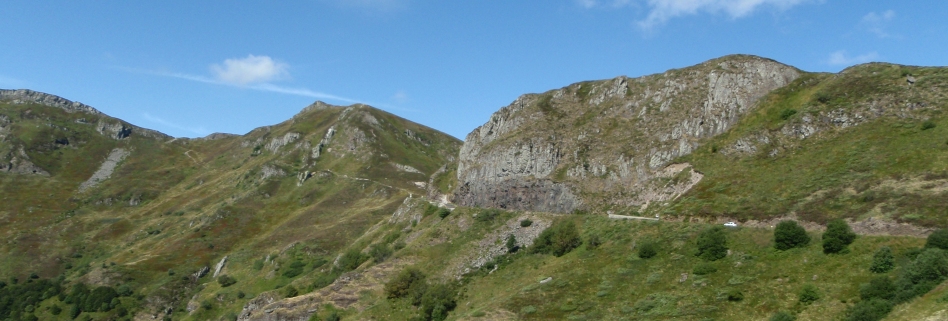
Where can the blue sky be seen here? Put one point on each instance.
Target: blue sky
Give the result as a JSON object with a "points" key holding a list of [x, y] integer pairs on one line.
{"points": [[191, 68]]}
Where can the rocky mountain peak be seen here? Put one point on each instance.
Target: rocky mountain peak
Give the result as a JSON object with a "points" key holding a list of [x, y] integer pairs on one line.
{"points": [[609, 138]]}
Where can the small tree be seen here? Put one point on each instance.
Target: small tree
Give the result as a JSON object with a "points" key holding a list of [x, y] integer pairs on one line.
{"points": [[648, 250], [883, 261], [712, 244], [837, 237], [938, 239], [789, 234]]}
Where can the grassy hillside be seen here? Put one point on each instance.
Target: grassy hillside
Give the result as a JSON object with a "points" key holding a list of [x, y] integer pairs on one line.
{"points": [[864, 143], [175, 206]]}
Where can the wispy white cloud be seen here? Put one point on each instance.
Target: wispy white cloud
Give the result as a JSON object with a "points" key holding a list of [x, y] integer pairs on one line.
{"points": [[269, 87], [400, 96], [841, 58], [198, 130], [250, 70], [660, 11], [876, 23], [664, 10]]}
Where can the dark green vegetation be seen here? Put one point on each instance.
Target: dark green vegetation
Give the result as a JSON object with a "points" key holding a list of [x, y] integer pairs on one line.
{"points": [[712, 244], [837, 237], [559, 239], [789, 234]]}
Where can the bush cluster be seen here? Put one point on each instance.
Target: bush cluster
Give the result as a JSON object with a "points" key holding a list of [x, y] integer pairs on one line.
{"points": [[938, 240], [928, 269], [559, 239], [648, 250], [712, 244], [837, 237], [435, 301], [883, 261], [789, 234], [350, 260]]}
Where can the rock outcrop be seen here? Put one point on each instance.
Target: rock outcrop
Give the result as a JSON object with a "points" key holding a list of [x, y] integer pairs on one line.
{"points": [[105, 170], [606, 142]]}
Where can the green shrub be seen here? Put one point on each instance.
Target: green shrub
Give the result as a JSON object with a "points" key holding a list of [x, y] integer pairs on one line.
{"points": [[511, 244], [783, 316], [809, 294], [241, 294], [837, 237], [380, 252], [789, 234], [928, 125], [704, 269], [869, 310], [878, 288], [712, 244], [290, 291], [648, 250], [443, 212], [883, 261], [938, 239], [438, 301], [350, 260], [294, 269], [526, 223], [258, 265], [400, 285], [225, 280], [207, 304], [559, 239], [55, 309], [429, 209]]}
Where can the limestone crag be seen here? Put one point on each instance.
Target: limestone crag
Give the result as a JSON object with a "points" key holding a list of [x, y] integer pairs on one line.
{"points": [[604, 142]]}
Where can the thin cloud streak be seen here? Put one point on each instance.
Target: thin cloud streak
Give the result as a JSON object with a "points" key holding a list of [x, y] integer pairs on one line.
{"points": [[267, 87], [200, 130]]}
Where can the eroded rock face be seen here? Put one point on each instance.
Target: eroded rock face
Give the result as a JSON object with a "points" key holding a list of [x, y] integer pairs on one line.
{"points": [[605, 142]]}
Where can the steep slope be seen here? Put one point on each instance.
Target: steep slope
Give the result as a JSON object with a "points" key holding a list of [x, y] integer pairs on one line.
{"points": [[107, 203], [608, 142], [738, 137]]}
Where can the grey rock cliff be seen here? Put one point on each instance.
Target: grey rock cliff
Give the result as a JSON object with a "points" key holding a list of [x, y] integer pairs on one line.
{"points": [[605, 142]]}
